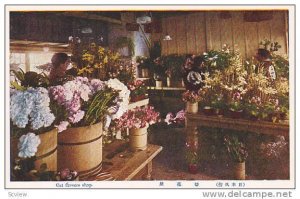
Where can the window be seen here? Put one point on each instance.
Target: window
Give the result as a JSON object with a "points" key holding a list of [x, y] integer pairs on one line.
{"points": [[39, 58], [17, 60]]}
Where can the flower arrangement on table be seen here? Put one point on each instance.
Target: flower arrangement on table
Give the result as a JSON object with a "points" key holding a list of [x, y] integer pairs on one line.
{"points": [[138, 121], [240, 78], [140, 117], [191, 96], [138, 90]]}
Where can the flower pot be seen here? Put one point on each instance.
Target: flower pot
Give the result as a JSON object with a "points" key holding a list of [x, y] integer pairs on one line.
{"points": [[236, 114], [193, 168], [253, 118], [46, 151], [138, 139], [80, 149], [192, 107], [209, 111], [219, 112], [145, 72], [158, 83], [168, 82], [239, 171], [137, 98]]}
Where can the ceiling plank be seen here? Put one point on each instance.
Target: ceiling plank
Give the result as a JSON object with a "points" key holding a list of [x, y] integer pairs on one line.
{"points": [[87, 15]]}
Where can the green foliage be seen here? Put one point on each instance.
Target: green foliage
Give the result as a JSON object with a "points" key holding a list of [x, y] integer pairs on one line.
{"points": [[236, 149], [155, 50], [281, 65], [174, 63], [122, 42], [98, 106], [29, 79]]}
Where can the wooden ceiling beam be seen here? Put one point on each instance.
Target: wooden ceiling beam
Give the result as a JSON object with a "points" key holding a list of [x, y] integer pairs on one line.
{"points": [[87, 15]]}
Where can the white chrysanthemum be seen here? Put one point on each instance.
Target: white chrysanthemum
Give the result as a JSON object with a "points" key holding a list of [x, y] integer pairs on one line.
{"points": [[28, 145]]}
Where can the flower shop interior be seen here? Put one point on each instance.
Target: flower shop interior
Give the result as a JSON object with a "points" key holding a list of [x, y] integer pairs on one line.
{"points": [[149, 95]]}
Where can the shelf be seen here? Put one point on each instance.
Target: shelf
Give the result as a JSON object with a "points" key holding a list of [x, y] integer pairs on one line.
{"points": [[166, 88], [142, 78], [263, 127], [143, 102]]}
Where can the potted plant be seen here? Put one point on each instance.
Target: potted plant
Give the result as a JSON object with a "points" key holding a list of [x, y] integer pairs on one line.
{"points": [[270, 110], [138, 121], [191, 151], [238, 153], [191, 98], [138, 90], [253, 108], [169, 72], [159, 72], [236, 106], [143, 63], [218, 104]]}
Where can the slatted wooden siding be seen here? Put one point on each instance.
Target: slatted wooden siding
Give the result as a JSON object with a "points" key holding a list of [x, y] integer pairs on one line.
{"points": [[201, 31]]}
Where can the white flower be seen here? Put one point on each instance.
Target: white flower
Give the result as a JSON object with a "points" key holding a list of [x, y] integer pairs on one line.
{"points": [[28, 145]]}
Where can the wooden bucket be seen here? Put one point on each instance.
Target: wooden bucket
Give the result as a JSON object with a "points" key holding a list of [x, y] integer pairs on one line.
{"points": [[192, 107], [138, 139], [239, 171], [80, 149], [46, 151]]}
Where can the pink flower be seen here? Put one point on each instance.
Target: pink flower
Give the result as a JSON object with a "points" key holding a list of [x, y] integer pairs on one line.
{"points": [[62, 126], [76, 117]]}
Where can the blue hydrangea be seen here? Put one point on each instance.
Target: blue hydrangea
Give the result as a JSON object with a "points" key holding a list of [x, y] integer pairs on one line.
{"points": [[31, 105]]}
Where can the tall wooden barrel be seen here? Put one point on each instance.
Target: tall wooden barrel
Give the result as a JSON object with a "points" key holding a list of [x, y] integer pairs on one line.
{"points": [[46, 151], [80, 149]]}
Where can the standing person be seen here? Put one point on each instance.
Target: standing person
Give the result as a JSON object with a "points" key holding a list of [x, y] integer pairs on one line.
{"points": [[194, 74]]}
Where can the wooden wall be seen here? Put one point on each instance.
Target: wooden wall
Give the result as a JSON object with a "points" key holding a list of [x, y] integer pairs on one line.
{"points": [[201, 31]]}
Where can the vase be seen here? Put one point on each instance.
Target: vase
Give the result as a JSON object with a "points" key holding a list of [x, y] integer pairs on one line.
{"points": [[168, 82], [145, 72], [209, 111], [158, 83], [138, 138], [80, 149], [239, 171], [192, 107], [236, 114], [193, 168], [46, 151]]}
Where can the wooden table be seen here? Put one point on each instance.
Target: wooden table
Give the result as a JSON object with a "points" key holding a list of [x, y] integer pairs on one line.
{"points": [[194, 121], [123, 164]]}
